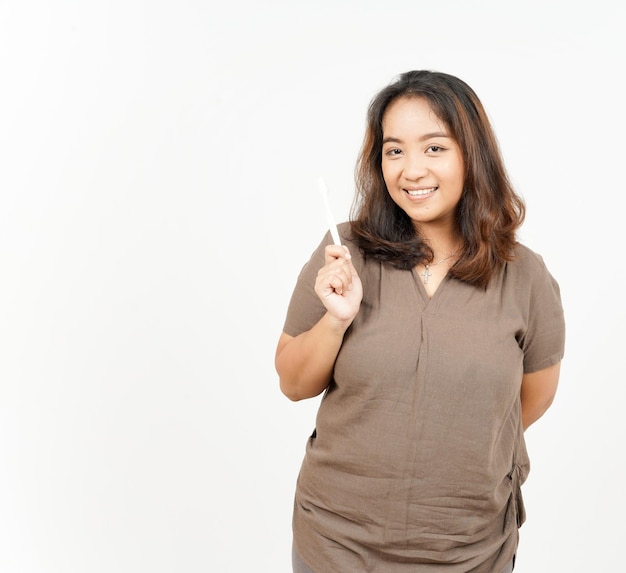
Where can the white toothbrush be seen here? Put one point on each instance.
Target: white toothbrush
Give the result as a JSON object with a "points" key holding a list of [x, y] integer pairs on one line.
{"points": [[329, 214]]}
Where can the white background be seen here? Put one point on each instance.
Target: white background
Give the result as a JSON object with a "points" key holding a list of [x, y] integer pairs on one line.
{"points": [[158, 167]]}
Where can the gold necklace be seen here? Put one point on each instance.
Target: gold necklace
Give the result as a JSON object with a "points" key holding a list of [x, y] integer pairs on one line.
{"points": [[427, 266]]}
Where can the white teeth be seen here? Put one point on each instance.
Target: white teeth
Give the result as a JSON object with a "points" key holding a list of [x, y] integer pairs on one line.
{"points": [[419, 192]]}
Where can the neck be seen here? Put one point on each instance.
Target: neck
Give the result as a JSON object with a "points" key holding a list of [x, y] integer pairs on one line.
{"points": [[442, 242]]}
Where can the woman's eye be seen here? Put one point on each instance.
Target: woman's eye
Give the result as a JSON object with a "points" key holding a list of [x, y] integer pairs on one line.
{"points": [[392, 152], [434, 148]]}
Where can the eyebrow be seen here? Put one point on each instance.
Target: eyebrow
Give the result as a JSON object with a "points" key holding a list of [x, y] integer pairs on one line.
{"points": [[424, 137]]}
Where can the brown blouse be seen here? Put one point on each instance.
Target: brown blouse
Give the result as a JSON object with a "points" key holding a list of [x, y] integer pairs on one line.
{"points": [[418, 454]]}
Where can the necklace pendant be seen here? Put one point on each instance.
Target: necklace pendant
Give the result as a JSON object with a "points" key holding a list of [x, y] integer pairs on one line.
{"points": [[426, 274]]}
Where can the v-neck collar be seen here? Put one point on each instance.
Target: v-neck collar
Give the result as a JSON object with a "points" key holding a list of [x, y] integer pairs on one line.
{"points": [[430, 302]]}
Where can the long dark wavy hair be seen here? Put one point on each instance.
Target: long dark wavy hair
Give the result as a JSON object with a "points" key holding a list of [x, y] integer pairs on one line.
{"points": [[489, 212]]}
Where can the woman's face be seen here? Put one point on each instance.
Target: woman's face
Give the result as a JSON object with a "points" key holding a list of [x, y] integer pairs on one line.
{"points": [[422, 165]]}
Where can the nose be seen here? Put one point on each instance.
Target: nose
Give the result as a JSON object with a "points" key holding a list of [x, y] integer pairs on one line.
{"points": [[415, 166]]}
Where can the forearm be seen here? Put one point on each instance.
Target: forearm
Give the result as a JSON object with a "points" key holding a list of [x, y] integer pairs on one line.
{"points": [[305, 363], [537, 393], [532, 411]]}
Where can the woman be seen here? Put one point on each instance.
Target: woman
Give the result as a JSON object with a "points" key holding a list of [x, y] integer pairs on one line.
{"points": [[437, 338]]}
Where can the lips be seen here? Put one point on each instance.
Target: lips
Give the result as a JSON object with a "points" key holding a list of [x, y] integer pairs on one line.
{"points": [[423, 192]]}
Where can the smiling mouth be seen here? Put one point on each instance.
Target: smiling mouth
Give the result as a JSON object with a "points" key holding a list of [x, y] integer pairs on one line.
{"points": [[420, 192]]}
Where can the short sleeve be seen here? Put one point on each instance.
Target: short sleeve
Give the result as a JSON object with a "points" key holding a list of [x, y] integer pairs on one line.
{"points": [[305, 308], [543, 342]]}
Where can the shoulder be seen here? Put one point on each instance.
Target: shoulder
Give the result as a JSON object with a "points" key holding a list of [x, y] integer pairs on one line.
{"points": [[345, 233], [348, 239], [527, 273], [527, 264], [527, 258]]}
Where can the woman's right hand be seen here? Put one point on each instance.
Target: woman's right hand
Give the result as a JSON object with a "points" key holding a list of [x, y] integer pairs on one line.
{"points": [[338, 285]]}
